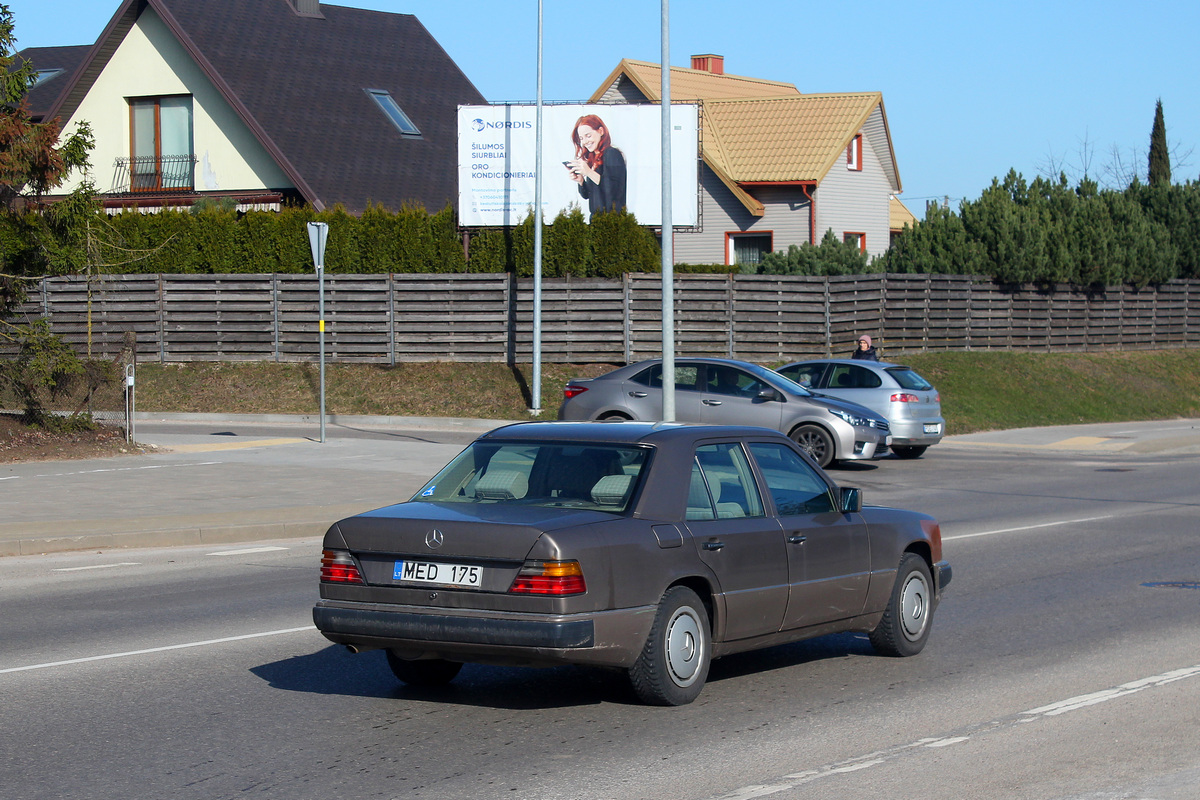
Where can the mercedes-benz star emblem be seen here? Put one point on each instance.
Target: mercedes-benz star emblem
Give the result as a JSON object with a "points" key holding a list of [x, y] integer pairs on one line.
{"points": [[434, 539]]}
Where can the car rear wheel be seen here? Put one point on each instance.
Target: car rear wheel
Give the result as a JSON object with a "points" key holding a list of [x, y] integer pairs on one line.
{"points": [[816, 442], [673, 665], [909, 450], [424, 672], [611, 415], [904, 628]]}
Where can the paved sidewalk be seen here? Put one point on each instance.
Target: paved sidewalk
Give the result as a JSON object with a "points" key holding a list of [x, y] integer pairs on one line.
{"points": [[223, 479]]}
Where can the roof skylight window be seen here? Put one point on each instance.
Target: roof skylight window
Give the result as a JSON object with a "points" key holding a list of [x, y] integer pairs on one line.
{"points": [[42, 75], [391, 108]]}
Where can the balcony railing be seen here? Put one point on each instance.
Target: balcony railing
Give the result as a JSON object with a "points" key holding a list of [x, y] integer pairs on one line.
{"points": [[158, 175]]}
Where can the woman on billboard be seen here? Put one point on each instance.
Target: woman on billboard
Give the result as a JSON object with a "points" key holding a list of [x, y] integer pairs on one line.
{"points": [[598, 167]]}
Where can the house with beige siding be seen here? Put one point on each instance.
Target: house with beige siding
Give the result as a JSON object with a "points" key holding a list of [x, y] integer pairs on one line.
{"points": [[263, 101], [778, 166]]}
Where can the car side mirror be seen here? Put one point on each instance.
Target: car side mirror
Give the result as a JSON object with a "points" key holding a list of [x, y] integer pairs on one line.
{"points": [[851, 500], [767, 394]]}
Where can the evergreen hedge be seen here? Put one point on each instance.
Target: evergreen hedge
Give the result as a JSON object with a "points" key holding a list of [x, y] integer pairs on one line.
{"points": [[1015, 232]]}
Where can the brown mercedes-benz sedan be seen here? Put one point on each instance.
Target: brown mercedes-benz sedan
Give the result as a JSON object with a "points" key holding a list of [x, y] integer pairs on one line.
{"points": [[652, 547]]}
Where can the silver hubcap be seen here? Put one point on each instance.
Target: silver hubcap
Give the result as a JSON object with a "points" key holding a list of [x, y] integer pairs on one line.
{"points": [[814, 445], [914, 606], [684, 647]]}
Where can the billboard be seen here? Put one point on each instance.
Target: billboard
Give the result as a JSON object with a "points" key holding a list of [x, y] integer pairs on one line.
{"points": [[594, 157]]}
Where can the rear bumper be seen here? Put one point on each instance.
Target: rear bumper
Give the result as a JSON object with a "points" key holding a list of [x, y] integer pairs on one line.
{"points": [[610, 638], [912, 432]]}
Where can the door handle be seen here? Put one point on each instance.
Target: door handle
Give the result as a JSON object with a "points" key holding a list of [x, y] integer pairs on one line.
{"points": [[711, 402], [637, 394], [797, 539], [713, 545]]}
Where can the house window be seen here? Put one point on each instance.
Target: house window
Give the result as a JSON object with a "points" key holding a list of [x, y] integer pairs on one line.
{"points": [[854, 154], [747, 248], [43, 75], [161, 136], [859, 240], [388, 105]]}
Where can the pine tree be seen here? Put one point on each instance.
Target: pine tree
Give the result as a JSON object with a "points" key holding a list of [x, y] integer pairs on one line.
{"points": [[1160, 158]]}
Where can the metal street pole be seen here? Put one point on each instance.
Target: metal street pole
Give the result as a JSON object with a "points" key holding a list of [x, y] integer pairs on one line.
{"points": [[668, 229], [535, 405], [318, 233]]}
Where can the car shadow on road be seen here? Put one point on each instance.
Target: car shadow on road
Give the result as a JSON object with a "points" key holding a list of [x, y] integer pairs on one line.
{"points": [[334, 671]]}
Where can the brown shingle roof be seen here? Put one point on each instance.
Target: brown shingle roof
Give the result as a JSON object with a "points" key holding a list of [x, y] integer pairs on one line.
{"points": [[899, 215], [298, 81], [781, 139], [68, 59], [691, 84]]}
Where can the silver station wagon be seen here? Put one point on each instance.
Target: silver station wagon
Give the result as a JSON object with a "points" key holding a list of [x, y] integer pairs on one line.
{"points": [[648, 547]]}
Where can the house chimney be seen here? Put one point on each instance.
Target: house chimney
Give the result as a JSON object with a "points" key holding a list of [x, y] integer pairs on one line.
{"points": [[307, 8], [709, 63]]}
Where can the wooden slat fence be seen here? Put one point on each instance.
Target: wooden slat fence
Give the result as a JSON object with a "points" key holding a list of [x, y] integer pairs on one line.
{"points": [[763, 318]]}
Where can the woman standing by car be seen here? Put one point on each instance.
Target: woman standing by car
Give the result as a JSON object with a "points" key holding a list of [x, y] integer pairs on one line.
{"points": [[598, 167], [865, 351]]}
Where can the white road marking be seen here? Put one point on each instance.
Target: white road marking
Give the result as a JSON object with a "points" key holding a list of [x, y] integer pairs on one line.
{"points": [[797, 779], [98, 566], [246, 550], [150, 650], [113, 469], [1085, 700], [1028, 527]]}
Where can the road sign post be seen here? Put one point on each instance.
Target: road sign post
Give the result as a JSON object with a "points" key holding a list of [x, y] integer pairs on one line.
{"points": [[318, 233]]}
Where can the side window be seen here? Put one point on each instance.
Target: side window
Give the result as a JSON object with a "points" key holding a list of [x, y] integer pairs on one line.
{"points": [[685, 377], [732, 381], [865, 378], [794, 486], [725, 474], [841, 377], [807, 375]]}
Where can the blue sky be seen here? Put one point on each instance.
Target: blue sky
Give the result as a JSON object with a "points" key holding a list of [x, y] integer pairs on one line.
{"points": [[971, 90]]}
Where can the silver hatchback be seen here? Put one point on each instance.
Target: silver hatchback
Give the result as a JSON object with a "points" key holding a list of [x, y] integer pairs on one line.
{"points": [[722, 391], [912, 406]]}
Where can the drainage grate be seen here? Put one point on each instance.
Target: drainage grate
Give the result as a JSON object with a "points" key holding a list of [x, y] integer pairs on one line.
{"points": [[1173, 585]]}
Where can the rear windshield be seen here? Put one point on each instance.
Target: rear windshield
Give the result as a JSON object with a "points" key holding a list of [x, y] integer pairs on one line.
{"points": [[560, 475], [909, 379]]}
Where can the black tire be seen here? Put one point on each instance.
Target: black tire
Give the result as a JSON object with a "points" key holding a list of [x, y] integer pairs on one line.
{"points": [[612, 415], [673, 665], [909, 450], [905, 626], [425, 672], [817, 442]]}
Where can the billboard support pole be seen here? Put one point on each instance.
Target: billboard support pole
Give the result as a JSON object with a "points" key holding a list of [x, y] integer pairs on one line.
{"points": [[535, 400], [668, 230]]}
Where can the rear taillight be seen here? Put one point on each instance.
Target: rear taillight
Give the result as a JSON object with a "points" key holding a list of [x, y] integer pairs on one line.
{"points": [[905, 397], [549, 577], [572, 390], [338, 567]]}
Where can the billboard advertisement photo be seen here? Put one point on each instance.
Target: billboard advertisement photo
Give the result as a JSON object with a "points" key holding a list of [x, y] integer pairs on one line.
{"points": [[594, 157]]}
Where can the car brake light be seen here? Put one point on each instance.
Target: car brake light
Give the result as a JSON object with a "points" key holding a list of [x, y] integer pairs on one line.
{"points": [[549, 577], [571, 390], [905, 397], [338, 567]]}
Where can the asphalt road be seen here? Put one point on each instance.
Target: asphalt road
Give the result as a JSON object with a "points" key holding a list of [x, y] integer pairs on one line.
{"points": [[1064, 663]]}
